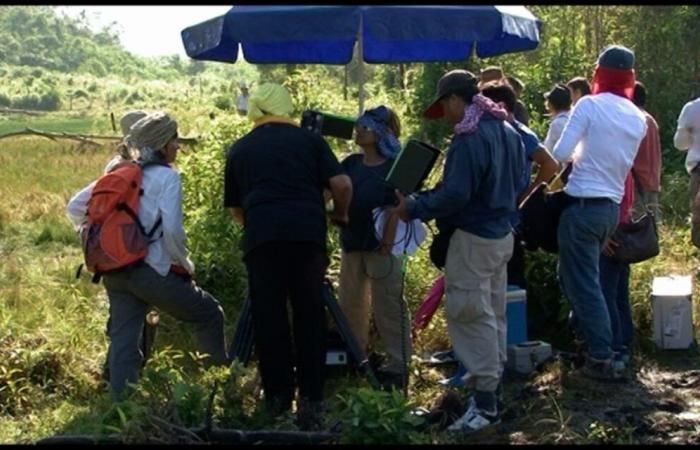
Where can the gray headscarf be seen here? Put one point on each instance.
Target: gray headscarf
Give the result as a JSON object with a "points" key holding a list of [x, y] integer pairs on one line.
{"points": [[151, 134], [130, 118], [126, 122]]}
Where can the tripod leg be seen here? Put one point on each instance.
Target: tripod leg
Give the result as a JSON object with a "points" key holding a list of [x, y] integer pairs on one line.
{"points": [[242, 344], [346, 333]]}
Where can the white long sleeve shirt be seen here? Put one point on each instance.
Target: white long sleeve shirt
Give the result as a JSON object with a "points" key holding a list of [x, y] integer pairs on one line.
{"points": [[162, 197], [609, 129], [555, 129], [687, 135]]}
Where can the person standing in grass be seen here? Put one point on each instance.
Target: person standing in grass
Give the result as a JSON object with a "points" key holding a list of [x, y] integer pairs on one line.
{"points": [[535, 152], [558, 104], [163, 279], [647, 165], [367, 265], [580, 87], [520, 111], [609, 128], [274, 185], [77, 209], [687, 138], [482, 179]]}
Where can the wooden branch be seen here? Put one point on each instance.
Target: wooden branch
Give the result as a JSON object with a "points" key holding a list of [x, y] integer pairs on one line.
{"points": [[172, 427], [22, 111], [80, 440], [82, 138]]}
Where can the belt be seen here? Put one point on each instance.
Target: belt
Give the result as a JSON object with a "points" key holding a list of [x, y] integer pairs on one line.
{"points": [[583, 201]]}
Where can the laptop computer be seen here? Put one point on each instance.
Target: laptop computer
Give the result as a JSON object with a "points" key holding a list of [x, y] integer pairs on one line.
{"points": [[412, 166]]}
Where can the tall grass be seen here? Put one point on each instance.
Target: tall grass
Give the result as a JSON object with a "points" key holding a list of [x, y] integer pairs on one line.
{"points": [[52, 325]]}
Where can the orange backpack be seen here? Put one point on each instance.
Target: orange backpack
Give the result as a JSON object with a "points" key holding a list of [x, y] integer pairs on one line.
{"points": [[113, 236]]}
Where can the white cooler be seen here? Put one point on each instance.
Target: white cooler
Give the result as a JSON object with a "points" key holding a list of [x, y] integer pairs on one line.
{"points": [[672, 311]]}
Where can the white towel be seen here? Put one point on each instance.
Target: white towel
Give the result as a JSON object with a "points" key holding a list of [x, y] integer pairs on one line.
{"points": [[409, 236]]}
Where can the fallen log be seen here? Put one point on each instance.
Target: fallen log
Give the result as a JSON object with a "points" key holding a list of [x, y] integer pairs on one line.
{"points": [[79, 440], [82, 138], [22, 111], [230, 436], [218, 436]]}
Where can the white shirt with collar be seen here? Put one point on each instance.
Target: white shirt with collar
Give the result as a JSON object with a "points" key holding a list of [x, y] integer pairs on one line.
{"points": [[687, 135], [162, 197], [609, 129], [555, 129]]}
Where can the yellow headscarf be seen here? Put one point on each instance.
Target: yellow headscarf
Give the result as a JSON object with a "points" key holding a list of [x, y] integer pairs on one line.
{"points": [[270, 102]]}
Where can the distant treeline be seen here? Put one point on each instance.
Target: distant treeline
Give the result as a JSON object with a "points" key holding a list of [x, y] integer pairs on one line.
{"points": [[37, 36]]}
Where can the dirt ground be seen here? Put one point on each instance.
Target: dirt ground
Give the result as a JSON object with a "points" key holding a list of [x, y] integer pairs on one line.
{"points": [[658, 403]]}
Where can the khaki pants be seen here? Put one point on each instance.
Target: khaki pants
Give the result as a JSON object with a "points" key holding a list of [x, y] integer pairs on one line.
{"points": [[475, 284], [382, 275], [695, 228]]}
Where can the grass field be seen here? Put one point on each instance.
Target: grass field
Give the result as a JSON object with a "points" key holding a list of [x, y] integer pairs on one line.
{"points": [[52, 346], [49, 122]]}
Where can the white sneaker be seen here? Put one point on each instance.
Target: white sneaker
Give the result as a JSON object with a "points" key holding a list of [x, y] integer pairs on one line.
{"points": [[474, 419]]}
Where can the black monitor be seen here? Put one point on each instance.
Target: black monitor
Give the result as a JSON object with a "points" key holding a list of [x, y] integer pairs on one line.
{"points": [[327, 124], [412, 166]]}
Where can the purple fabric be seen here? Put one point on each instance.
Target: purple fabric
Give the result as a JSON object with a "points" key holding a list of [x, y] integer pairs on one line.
{"points": [[429, 306], [472, 113]]}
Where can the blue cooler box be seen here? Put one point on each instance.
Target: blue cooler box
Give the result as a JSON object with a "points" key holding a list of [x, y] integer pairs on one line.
{"points": [[516, 315]]}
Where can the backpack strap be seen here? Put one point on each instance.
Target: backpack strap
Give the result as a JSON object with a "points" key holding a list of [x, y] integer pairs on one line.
{"points": [[134, 216]]}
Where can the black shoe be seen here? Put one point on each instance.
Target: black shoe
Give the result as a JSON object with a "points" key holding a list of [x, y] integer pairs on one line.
{"points": [[605, 370], [310, 415]]}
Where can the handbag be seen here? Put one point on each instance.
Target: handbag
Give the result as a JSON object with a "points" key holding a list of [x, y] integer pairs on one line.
{"points": [[638, 240], [439, 246]]}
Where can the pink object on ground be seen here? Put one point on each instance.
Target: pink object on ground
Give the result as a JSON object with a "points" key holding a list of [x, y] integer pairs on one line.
{"points": [[429, 306]]}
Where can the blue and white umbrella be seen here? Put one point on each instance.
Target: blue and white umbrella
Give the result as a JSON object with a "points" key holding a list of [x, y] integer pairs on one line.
{"points": [[384, 34]]}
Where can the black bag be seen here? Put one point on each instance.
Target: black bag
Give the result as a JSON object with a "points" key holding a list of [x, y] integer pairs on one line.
{"points": [[638, 240], [438, 248], [540, 213]]}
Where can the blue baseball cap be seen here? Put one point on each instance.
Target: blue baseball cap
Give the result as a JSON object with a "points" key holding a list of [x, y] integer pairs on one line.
{"points": [[616, 57]]}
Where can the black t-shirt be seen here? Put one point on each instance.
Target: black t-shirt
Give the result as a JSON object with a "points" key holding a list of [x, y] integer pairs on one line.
{"points": [[276, 174], [369, 191]]}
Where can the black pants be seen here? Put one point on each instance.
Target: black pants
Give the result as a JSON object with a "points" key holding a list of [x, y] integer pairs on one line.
{"points": [[278, 271]]}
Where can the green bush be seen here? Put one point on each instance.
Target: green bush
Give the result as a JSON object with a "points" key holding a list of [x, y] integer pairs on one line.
{"points": [[50, 101], [5, 100], [213, 237], [223, 102], [379, 417], [30, 101]]}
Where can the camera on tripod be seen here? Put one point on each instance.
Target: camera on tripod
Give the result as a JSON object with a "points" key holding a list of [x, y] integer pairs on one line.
{"points": [[327, 124]]}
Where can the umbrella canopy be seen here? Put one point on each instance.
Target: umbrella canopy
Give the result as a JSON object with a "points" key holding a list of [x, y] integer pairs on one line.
{"points": [[385, 34]]}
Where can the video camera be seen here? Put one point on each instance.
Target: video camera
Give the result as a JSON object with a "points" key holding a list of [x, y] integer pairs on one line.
{"points": [[327, 124]]}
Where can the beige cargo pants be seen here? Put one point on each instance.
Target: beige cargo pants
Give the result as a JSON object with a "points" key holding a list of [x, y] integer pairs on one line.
{"points": [[475, 286], [365, 273]]}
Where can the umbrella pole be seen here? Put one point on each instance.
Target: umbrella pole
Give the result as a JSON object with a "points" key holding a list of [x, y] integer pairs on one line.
{"points": [[360, 57]]}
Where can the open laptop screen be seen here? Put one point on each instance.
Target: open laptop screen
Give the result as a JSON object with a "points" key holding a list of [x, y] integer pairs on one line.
{"points": [[412, 166]]}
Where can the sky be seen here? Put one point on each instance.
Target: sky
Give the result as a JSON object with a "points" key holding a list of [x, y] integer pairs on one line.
{"points": [[148, 30]]}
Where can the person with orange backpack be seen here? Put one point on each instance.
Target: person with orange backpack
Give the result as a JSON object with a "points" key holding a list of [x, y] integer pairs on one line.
{"points": [[135, 241], [77, 213]]}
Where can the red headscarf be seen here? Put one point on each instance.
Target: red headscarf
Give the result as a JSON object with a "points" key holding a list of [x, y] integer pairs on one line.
{"points": [[616, 81]]}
